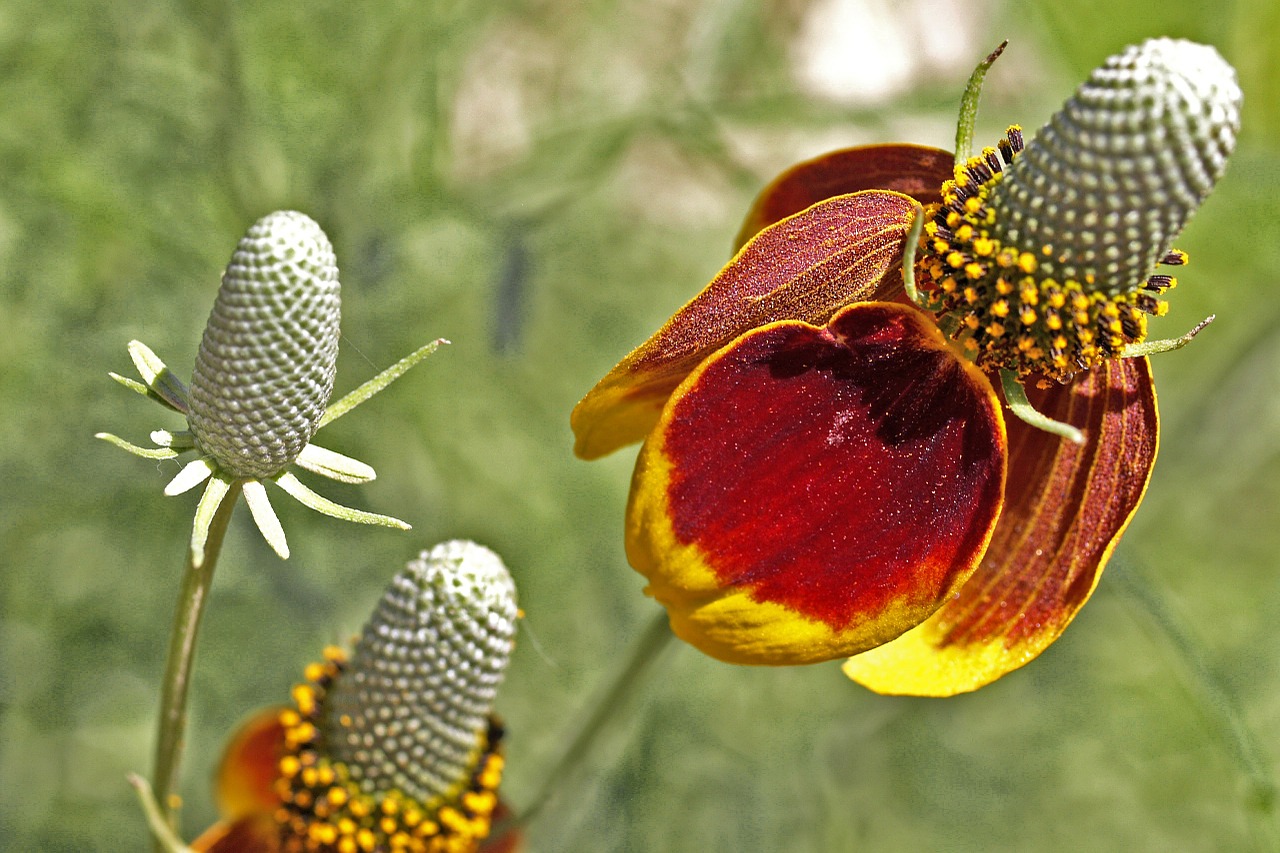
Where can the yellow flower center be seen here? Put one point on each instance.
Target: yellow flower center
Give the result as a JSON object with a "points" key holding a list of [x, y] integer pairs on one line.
{"points": [[1008, 311], [325, 810]]}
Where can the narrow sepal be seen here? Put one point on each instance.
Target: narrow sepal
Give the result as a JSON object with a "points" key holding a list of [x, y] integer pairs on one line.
{"points": [[814, 491], [335, 466], [913, 170], [264, 516], [805, 268], [377, 383], [323, 505], [1065, 510], [160, 381], [210, 500], [192, 474], [144, 452]]}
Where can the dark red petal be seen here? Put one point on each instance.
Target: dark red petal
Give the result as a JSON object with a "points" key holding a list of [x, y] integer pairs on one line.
{"points": [[803, 268], [812, 491], [1065, 509], [912, 170]]}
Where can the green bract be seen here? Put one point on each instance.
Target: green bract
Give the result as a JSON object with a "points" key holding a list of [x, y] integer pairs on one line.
{"points": [[262, 383]]}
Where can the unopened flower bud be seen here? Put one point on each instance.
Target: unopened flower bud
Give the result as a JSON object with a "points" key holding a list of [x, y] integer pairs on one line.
{"points": [[267, 359]]}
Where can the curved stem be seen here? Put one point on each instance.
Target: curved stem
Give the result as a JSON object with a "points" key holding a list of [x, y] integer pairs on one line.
{"points": [[630, 678], [182, 650]]}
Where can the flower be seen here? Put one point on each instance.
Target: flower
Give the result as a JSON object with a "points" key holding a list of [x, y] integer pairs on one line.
{"points": [[827, 470], [394, 747], [262, 381]]}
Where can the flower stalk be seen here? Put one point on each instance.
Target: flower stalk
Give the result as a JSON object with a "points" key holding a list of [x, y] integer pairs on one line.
{"points": [[633, 675], [197, 580]]}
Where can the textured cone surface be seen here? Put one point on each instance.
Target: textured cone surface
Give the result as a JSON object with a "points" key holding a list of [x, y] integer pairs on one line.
{"points": [[265, 368], [410, 710], [1116, 173]]}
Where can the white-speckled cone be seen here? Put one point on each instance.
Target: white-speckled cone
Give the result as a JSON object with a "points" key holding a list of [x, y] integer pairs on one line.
{"points": [[265, 369], [1110, 181], [410, 709]]}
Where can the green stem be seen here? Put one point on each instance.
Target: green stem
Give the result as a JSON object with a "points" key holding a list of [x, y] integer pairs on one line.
{"points": [[1260, 807], [196, 582], [629, 679]]}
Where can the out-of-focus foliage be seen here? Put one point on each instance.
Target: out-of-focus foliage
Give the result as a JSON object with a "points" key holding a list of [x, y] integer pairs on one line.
{"points": [[543, 183]]}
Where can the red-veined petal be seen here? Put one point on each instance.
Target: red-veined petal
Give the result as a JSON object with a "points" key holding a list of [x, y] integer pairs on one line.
{"points": [[912, 170], [804, 268], [1065, 510], [811, 491]]}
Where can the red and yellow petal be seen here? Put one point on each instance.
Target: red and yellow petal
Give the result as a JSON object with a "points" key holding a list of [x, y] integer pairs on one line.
{"points": [[1065, 510], [245, 789], [912, 170], [813, 492], [803, 268]]}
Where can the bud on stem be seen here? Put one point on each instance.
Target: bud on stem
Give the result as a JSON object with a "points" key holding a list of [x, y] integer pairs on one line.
{"points": [[267, 359]]}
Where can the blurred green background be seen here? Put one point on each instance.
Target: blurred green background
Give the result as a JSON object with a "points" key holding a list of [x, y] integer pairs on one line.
{"points": [[543, 183]]}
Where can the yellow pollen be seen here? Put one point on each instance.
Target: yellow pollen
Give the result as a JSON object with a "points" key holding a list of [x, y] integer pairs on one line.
{"points": [[971, 294], [1027, 262], [995, 330], [1029, 295], [313, 672], [975, 270], [955, 260], [984, 246], [305, 698], [1053, 321], [1057, 299], [289, 766], [1000, 308], [973, 205], [948, 285], [953, 219], [1003, 286], [964, 233], [1028, 316]]}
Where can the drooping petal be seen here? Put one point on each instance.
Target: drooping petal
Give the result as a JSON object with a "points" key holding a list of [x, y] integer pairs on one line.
{"points": [[804, 268], [809, 491], [1065, 509], [245, 789], [912, 170]]}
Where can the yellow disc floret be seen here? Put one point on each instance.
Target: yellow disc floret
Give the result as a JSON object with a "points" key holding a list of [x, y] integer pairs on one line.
{"points": [[325, 810], [1008, 311]]}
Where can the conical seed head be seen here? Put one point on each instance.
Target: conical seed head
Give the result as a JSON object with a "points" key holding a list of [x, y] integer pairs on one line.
{"points": [[265, 369], [410, 709], [1110, 181]]}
